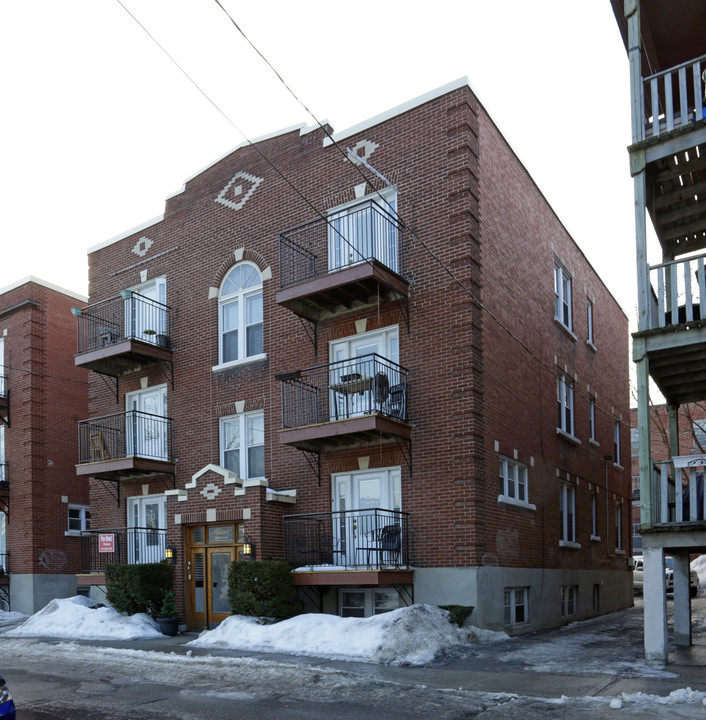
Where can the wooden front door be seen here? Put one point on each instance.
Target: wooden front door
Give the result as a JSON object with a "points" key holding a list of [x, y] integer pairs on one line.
{"points": [[210, 550]]}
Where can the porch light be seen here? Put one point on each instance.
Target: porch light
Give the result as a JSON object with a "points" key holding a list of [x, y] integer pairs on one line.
{"points": [[248, 551], [170, 554], [76, 312]]}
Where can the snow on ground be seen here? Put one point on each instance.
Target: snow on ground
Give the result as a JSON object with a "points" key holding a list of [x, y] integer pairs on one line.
{"points": [[409, 636], [81, 619], [699, 564]]}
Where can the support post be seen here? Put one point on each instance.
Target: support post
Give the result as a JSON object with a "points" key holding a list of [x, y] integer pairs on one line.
{"points": [[654, 592], [682, 600]]}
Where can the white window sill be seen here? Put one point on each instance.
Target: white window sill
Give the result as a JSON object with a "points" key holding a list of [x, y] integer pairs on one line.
{"points": [[570, 545], [618, 466], [591, 345], [594, 442], [568, 436], [566, 329], [238, 363], [507, 500], [618, 551], [595, 538], [72, 533]]}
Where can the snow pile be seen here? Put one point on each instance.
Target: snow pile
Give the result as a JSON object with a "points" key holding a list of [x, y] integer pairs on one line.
{"points": [[11, 618], [80, 618], [683, 696], [699, 564], [408, 636]]}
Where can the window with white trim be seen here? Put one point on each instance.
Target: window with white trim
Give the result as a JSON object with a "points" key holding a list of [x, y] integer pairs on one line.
{"points": [[3, 464], [594, 516], [619, 525], [592, 419], [242, 439], [513, 480], [565, 404], [240, 316], [569, 598], [589, 322], [562, 295], [616, 442], [567, 513], [516, 606], [79, 519]]}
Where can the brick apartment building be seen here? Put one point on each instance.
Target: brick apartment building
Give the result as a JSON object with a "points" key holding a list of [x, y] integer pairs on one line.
{"points": [[43, 503], [382, 358]]}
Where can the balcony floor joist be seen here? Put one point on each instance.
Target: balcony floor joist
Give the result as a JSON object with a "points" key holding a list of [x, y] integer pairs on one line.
{"points": [[124, 469], [354, 578], [124, 356]]}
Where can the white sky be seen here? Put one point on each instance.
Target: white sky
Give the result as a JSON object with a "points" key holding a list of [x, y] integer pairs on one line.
{"points": [[98, 126]]}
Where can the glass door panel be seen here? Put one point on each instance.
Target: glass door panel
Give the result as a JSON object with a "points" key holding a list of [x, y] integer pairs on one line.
{"points": [[219, 565]]}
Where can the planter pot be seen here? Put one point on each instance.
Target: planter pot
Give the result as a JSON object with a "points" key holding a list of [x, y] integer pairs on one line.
{"points": [[163, 340], [168, 626]]}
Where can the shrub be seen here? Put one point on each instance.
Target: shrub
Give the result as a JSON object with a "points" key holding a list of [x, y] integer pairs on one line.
{"points": [[138, 588], [458, 613], [262, 588], [169, 608]]}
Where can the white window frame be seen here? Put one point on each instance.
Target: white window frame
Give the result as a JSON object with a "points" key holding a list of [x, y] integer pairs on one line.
{"points": [[592, 420], [84, 518], [3, 467], [562, 296], [243, 421], [590, 340], [594, 517], [514, 483], [569, 600], [619, 526], [515, 598], [616, 444], [567, 515], [241, 297], [374, 600], [566, 415]]}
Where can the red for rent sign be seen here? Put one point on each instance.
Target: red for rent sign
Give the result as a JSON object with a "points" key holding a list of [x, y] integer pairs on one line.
{"points": [[106, 542]]}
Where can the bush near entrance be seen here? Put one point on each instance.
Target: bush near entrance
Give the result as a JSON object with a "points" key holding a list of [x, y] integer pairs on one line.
{"points": [[138, 588], [262, 588]]}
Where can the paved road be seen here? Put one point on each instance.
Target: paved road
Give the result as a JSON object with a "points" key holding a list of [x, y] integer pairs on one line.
{"points": [[575, 672]]}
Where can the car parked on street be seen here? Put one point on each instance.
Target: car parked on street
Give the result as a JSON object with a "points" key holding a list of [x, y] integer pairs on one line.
{"points": [[7, 706], [638, 574]]}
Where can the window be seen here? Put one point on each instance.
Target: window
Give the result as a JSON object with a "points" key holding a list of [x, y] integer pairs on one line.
{"points": [[589, 323], [698, 429], [594, 516], [3, 464], [79, 519], [569, 596], [516, 606], [596, 600], [634, 442], [619, 525], [616, 443], [513, 481], [146, 314], [243, 445], [565, 404], [567, 518], [562, 296], [240, 315], [364, 602], [592, 420]]}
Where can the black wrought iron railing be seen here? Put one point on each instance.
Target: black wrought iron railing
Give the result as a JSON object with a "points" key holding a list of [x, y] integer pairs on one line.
{"points": [[4, 563], [128, 434], [361, 233], [129, 316], [4, 390], [365, 385], [353, 539], [122, 546], [4, 475]]}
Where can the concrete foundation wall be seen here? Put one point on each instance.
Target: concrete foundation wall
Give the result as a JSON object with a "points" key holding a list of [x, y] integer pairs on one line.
{"points": [[30, 593]]}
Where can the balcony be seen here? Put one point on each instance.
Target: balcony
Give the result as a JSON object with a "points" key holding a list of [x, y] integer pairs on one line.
{"points": [[348, 260], [125, 445], [325, 548], [122, 546], [344, 404], [677, 496], [123, 334]]}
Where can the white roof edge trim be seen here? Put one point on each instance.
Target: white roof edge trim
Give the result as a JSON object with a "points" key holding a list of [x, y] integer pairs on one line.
{"points": [[43, 283], [127, 233], [398, 110]]}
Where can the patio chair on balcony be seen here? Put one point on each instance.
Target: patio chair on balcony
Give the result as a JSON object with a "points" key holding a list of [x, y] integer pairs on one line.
{"points": [[387, 543], [99, 448], [396, 401]]}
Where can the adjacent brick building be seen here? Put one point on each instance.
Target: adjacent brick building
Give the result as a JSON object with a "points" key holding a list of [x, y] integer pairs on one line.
{"points": [[380, 357], [42, 396]]}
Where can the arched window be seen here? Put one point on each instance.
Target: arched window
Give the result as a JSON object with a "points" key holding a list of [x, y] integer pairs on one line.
{"points": [[240, 314]]}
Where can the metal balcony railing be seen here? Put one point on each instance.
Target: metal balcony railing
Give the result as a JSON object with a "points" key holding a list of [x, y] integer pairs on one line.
{"points": [[350, 539], [4, 563], [129, 316], [122, 546], [673, 98], [678, 292], [3, 386], [361, 233], [365, 385], [4, 475], [129, 434]]}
